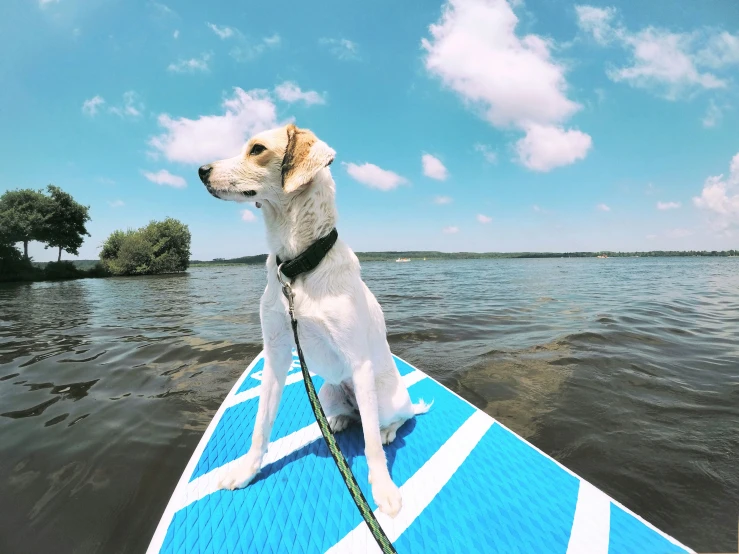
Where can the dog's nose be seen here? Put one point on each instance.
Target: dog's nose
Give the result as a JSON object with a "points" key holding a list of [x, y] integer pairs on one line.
{"points": [[204, 172]]}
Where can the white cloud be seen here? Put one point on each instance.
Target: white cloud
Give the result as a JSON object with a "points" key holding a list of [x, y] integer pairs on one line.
{"points": [[487, 153], [192, 65], [662, 63], [668, 205], [213, 137], [720, 195], [441, 200], [342, 48], [176, 34], [374, 176], [670, 65], [290, 92], [222, 32], [246, 51], [603, 208], [720, 50], [131, 107], [248, 216], [90, 107], [596, 21], [545, 147], [116, 204], [484, 219], [162, 9], [164, 177], [433, 168], [678, 233], [713, 115], [450, 230], [511, 81]]}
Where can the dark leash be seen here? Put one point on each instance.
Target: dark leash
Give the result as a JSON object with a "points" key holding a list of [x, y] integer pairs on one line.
{"points": [[307, 261]]}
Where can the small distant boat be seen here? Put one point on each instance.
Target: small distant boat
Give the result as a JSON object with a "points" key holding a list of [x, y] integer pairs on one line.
{"points": [[403, 260], [602, 256]]}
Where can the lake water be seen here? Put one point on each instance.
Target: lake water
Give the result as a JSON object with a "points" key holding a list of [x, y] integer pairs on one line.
{"points": [[625, 370]]}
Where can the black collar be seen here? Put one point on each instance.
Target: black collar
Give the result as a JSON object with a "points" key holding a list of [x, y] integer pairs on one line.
{"points": [[308, 260]]}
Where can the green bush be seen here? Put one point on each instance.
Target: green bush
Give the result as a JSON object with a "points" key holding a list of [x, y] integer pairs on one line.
{"points": [[14, 267], [55, 271], [98, 270], [160, 247], [61, 270]]}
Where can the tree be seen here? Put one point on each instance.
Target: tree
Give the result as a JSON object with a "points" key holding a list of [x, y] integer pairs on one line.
{"points": [[170, 240], [23, 215], [65, 223], [160, 247]]}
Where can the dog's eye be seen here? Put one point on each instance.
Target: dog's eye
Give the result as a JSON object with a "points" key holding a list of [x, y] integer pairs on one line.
{"points": [[257, 149]]}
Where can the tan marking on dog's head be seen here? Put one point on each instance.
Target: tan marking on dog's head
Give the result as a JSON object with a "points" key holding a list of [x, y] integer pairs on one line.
{"points": [[305, 156], [259, 151]]}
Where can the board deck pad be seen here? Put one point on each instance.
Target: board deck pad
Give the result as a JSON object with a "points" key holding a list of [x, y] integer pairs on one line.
{"points": [[468, 483]]}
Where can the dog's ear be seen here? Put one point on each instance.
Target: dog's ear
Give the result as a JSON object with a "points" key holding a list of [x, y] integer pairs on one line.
{"points": [[305, 156]]}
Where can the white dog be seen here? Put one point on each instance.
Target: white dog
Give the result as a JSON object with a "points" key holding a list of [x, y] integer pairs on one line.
{"points": [[341, 325]]}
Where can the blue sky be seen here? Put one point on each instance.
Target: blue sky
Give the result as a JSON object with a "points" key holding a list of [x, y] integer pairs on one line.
{"points": [[479, 125]]}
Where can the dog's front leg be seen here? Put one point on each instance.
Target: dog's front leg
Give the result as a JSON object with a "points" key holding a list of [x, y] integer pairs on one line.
{"points": [[386, 494], [277, 361]]}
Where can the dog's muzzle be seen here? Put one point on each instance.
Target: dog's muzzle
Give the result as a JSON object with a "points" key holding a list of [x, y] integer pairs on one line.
{"points": [[204, 172]]}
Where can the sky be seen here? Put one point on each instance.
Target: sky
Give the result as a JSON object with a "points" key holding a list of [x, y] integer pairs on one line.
{"points": [[467, 125]]}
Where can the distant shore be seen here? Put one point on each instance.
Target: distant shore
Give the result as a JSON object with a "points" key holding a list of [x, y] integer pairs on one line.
{"points": [[422, 255]]}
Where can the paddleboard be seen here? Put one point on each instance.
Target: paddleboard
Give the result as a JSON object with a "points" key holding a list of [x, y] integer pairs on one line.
{"points": [[469, 484]]}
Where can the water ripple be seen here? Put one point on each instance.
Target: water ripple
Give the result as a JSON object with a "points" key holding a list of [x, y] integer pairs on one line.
{"points": [[626, 370]]}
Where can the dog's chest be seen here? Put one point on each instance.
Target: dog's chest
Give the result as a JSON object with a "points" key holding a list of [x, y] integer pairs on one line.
{"points": [[319, 354]]}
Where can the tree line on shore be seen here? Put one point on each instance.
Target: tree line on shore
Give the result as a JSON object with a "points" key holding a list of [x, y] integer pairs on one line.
{"points": [[53, 218], [432, 255]]}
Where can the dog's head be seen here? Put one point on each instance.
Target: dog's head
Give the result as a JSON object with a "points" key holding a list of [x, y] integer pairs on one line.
{"points": [[273, 165]]}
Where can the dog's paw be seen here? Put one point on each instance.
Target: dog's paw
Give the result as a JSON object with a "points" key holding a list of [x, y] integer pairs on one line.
{"points": [[388, 434], [339, 423], [241, 473], [387, 497]]}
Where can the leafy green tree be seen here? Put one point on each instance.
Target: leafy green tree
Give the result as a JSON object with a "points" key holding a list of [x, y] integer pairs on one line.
{"points": [[112, 245], [170, 241], [65, 223], [134, 256], [159, 247], [23, 214]]}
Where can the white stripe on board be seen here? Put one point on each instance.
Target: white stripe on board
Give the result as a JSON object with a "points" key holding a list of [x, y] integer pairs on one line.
{"points": [[209, 483], [421, 488], [181, 489], [253, 392], [591, 526], [413, 377]]}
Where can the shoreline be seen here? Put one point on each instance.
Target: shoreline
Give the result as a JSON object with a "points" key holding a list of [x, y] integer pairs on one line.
{"points": [[391, 256]]}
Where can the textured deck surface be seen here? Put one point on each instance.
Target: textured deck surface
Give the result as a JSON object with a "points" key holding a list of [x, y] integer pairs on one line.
{"points": [[468, 484]]}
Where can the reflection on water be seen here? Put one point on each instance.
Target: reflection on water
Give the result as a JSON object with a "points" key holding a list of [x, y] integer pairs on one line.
{"points": [[626, 370]]}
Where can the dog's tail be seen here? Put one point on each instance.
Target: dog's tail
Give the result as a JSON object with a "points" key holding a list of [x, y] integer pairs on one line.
{"points": [[421, 407]]}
